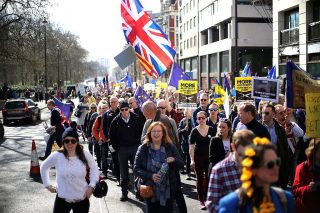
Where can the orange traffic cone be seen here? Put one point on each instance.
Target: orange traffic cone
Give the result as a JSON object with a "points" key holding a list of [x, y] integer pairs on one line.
{"points": [[34, 167]]}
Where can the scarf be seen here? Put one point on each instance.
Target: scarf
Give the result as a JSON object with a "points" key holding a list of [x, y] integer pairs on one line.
{"points": [[161, 190]]}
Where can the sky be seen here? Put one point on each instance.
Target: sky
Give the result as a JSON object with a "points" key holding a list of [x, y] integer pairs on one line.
{"points": [[97, 23]]}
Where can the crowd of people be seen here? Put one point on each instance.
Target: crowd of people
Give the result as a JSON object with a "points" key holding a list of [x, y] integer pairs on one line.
{"points": [[257, 159]]}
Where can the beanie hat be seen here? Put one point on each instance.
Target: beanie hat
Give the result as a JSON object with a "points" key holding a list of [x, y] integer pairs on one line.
{"points": [[124, 104], [70, 132]]}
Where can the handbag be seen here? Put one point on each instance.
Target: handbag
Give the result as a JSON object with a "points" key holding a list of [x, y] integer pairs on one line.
{"points": [[101, 188], [145, 191]]}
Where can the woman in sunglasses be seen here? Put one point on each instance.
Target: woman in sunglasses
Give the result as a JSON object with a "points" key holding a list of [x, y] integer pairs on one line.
{"points": [[306, 185], [260, 169], [199, 141], [71, 162], [219, 147]]}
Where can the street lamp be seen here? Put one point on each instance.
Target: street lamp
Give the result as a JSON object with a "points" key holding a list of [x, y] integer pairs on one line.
{"points": [[45, 58], [58, 85]]}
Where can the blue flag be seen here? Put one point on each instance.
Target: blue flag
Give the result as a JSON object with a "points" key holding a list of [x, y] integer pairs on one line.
{"points": [[247, 70], [272, 73], [64, 107], [177, 74], [141, 96], [226, 85], [127, 79]]}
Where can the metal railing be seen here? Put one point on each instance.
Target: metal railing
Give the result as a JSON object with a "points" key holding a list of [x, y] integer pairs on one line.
{"points": [[289, 36], [314, 31]]}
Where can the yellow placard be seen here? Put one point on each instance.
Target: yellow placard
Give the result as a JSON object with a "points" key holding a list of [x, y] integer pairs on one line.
{"points": [[243, 84], [162, 85], [188, 87], [312, 114]]}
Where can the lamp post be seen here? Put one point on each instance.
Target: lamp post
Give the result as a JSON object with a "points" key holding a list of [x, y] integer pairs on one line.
{"points": [[58, 85], [45, 59]]}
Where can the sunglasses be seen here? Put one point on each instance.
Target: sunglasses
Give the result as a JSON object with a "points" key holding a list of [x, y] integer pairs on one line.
{"points": [[272, 163], [66, 141], [201, 118], [124, 109], [266, 113], [203, 99], [213, 109], [161, 108]]}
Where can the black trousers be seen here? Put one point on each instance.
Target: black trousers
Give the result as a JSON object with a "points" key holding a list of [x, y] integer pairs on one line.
{"points": [[157, 208], [126, 154], [179, 195], [62, 206]]}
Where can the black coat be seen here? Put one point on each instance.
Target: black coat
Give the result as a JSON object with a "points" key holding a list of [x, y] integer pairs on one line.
{"points": [[216, 151], [115, 132]]}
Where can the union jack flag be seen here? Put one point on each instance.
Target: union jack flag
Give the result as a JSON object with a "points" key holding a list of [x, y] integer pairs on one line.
{"points": [[153, 49]]}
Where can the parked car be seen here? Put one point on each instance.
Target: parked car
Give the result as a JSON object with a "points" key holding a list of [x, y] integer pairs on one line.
{"points": [[20, 109], [1, 130]]}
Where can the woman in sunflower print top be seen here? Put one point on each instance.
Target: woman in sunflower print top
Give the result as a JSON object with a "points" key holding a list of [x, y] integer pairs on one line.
{"points": [[260, 169]]}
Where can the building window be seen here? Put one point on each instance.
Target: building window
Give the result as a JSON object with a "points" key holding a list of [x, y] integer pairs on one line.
{"points": [[195, 41], [187, 25], [313, 66], [190, 23], [187, 63], [187, 7], [184, 10], [291, 19], [214, 34], [225, 30], [316, 11], [187, 43], [190, 5], [203, 64], [194, 3], [194, 67], [184, 27], [194, 21], [225, 61], [213, 68], [290, 35], [204, 37], [191, 42]]}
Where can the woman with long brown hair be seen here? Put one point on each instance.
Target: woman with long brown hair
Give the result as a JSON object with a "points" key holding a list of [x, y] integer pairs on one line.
{"points": [[220, 145], [155, 163], [260, 169], [71, 162]]}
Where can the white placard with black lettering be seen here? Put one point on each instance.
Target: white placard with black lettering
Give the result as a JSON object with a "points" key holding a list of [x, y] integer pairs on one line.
{"points": [[265, 89]]}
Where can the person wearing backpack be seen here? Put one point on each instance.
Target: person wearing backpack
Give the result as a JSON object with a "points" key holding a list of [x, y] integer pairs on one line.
{"points": [[55, 130], [260, 169]]}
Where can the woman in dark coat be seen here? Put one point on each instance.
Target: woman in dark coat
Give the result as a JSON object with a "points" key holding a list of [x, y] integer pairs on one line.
{"points": [[219, 147], [155, 154]]}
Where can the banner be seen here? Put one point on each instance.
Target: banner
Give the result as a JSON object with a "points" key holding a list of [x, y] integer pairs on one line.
{"points": [[298, 84], [312, 114], [243, 88], [188, 87], [265, 89]]}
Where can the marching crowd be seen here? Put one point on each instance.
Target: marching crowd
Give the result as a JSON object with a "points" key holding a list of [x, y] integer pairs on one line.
{"points": [[257, 159]]}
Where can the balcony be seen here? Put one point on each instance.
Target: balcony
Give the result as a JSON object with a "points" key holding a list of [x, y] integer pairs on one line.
{"points": [[289, 36], [314, 31]]}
